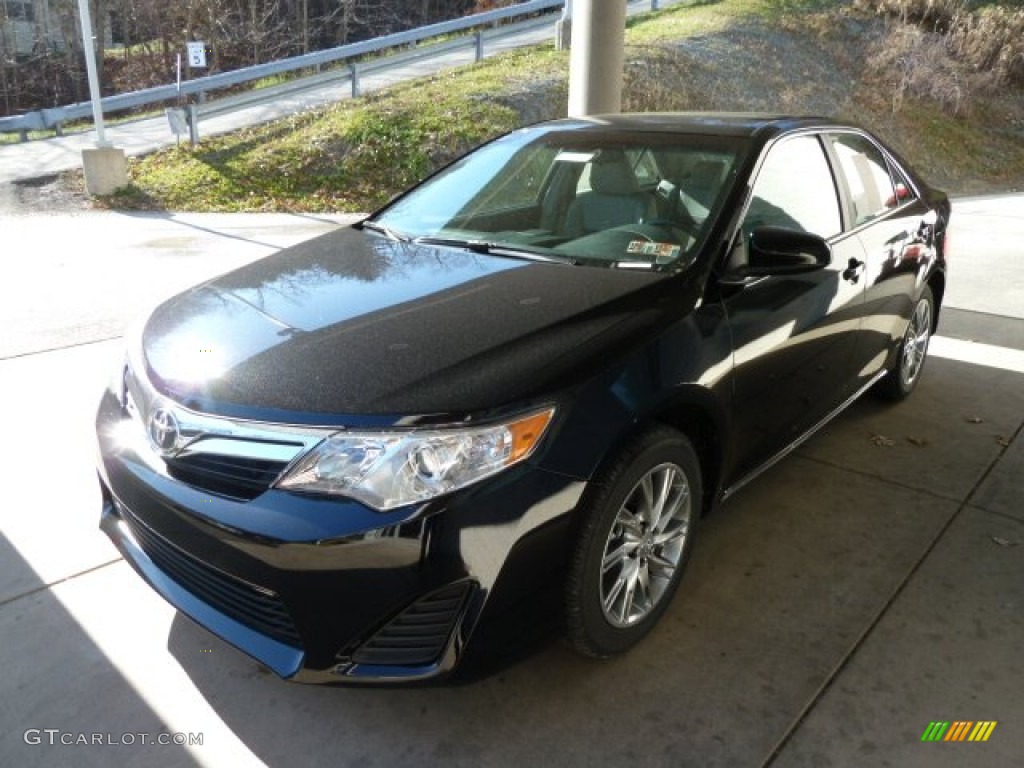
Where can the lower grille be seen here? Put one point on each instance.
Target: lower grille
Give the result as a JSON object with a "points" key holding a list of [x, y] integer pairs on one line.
{"points": [[419, 634], [255, 607], [238, 477]]}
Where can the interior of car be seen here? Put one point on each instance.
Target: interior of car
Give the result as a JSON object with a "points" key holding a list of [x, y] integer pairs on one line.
{"points": [[642, 204], [613, 203]]}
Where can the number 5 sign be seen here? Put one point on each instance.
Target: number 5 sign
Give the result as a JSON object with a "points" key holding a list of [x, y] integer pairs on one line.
{"points": [[196, 54]]}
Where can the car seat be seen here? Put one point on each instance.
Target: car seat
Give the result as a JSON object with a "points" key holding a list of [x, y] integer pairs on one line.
{"points": [[614, 198]]}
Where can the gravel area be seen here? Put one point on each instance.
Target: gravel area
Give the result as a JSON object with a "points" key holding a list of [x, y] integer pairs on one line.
{"points": [[58, 193]]}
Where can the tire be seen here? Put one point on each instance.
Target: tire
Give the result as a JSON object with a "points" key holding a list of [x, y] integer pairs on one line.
{"points": [[905, 372], [624, 571]]}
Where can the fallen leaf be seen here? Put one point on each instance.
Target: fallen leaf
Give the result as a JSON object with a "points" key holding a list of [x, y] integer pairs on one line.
{"points": [[920, 442], [882, 440], [1003, 441]]}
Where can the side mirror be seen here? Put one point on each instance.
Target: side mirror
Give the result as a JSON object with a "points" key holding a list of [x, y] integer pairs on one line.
{"points": [[780, 251]]}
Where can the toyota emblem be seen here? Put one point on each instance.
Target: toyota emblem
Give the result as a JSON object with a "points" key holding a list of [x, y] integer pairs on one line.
{"points": [[163, 431]]}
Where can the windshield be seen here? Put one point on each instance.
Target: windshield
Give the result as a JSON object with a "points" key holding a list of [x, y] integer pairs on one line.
{"points": [[607, 198]]}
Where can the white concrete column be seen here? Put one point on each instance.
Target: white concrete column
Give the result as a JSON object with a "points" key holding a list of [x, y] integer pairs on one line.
{"points": [[596, 56]]}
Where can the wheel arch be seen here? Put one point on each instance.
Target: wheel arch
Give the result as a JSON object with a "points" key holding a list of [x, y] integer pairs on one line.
{"points": [[594, 589], [704, 426], [695, 412]]}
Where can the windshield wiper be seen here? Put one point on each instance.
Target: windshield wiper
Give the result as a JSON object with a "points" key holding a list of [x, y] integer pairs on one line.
{"points": [[374, 226], [494, 249]]}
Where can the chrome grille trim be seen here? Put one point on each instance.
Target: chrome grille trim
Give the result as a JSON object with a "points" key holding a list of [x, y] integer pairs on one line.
{"points": [[230, 457], [200, 434]]}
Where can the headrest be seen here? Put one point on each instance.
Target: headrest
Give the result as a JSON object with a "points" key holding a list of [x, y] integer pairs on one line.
{"points": [[611, 174]]}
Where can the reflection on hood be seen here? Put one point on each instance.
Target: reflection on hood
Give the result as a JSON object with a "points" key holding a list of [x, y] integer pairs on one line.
{"points": [[352, 322]]}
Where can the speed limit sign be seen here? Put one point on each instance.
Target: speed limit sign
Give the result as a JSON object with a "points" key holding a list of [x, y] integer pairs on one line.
{"points": [[196, 54]]}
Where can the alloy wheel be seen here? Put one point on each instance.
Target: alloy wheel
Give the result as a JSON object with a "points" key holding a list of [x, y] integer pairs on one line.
{"points": [[915, 343], [645, 545]]}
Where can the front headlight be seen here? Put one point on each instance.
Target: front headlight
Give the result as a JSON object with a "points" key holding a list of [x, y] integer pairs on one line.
{"points": [[385, 470]]}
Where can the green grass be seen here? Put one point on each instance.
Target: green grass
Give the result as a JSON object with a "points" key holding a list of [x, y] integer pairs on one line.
{"points": [[958, 155], [14, 138], [702, 17], [351, 156], [135, 49]]}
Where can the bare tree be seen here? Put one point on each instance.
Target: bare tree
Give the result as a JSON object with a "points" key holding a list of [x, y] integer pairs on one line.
{"points": [[153, 32]]}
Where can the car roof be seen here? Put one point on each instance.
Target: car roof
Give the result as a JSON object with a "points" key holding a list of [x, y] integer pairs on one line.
{"points": [[720, 123]]}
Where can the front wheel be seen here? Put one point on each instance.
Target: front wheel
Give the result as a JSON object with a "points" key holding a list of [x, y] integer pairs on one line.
{"points": [[905, 373], [637, 531]]}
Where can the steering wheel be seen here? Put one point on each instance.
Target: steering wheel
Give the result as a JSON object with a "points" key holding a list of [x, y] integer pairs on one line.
{"points": [[676, 215]]}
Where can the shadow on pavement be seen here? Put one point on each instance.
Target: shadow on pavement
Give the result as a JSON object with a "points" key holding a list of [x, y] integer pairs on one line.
{"points": [[51, 666]]}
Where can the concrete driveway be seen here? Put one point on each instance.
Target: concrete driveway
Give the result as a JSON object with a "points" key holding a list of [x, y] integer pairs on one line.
{"points": [[865, 587]]}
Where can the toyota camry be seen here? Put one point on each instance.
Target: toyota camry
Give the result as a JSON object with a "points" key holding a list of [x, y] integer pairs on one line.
{"points": [[535, 371]]}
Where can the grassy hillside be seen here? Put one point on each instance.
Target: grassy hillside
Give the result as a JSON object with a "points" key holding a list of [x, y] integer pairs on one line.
{"points": [[963, 131]]}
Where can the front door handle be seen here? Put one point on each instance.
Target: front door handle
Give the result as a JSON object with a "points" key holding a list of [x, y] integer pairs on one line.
{"points": [[853, 269]]}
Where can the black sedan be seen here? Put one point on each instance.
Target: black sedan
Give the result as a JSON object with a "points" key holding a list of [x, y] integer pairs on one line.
{"points": [[541, 366]]}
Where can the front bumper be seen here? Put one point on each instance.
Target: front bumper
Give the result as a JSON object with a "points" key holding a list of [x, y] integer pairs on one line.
{"points": [[326, 590]]}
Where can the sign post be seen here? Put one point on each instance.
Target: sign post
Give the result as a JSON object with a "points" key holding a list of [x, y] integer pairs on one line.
{"points": [[106, 169], [89, 51]]}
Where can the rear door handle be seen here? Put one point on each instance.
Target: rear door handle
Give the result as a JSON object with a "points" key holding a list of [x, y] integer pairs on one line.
{"points": [[926, 233], [853, 269]]}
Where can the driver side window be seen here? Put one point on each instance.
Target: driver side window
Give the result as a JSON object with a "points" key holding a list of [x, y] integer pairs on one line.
{"points": [[795, 190]]}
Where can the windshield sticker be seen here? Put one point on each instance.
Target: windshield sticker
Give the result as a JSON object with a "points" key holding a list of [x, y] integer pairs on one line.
{"points": [[663, 251]]}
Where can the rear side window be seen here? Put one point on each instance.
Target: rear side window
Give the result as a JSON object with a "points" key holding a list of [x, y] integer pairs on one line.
{"points": [[795, 189], [872, 191]]}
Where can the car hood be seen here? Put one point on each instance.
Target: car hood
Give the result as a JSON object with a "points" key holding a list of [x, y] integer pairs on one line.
{"points": [[355, 323]]}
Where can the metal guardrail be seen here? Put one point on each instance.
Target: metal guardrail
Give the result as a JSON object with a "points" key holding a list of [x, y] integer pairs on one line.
{"points": [[56, 116], [351, 74]]}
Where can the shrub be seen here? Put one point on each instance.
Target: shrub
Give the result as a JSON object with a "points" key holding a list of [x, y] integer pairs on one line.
{"points": [[916, 65], [989, 40]]}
